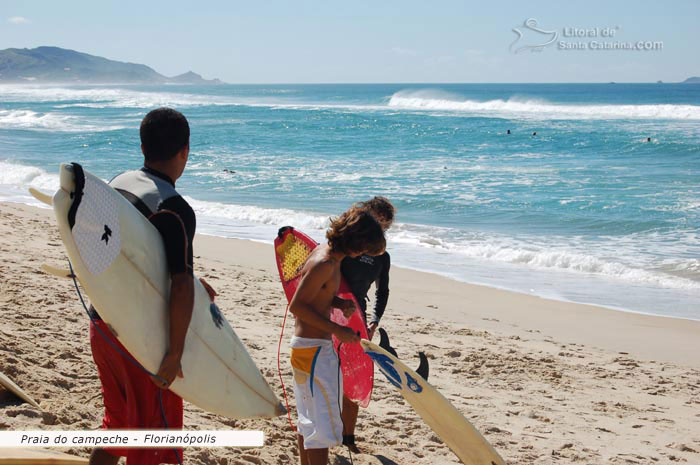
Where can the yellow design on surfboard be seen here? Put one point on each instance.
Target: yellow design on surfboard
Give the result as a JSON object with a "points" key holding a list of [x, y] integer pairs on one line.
{"points": [[295, 253]]}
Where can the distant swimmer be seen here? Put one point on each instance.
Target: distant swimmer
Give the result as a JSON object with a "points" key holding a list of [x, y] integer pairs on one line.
{"points": [[226, 170], [648, 139], [534, 133], [508, 131]]}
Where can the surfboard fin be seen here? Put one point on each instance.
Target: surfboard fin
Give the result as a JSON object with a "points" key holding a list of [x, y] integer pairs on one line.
{"points": [[384, 343], [424, 368], [41, 197], [58, 272]]}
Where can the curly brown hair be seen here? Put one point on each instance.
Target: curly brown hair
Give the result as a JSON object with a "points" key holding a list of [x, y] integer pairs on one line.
{"points": [[356, 231], [379, 206]]}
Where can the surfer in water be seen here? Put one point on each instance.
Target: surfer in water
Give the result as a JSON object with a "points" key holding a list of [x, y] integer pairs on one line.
{"points": [[132, 398], [316, 368], [360, 272]]}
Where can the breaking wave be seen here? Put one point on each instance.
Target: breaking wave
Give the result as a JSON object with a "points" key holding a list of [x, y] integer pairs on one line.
{"points": [[537, 109], [32, 120]]}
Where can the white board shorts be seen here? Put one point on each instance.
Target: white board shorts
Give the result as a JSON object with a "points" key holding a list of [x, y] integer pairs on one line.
{"points": [[317, 389]]}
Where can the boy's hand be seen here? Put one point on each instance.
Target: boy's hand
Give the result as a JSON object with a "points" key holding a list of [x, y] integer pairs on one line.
{"points": [[169, 369], [346, 335], [347, 306], [371, 329], [210, 290]]}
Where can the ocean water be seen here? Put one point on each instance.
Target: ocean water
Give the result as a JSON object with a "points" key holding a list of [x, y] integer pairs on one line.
{"points": [[586, 211]]}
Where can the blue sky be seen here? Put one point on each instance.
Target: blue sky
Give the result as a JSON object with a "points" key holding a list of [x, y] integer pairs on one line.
{"points": [[366, 41]]}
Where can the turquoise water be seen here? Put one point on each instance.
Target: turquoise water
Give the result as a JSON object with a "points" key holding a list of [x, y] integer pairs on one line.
{"points": [[586, 211]]}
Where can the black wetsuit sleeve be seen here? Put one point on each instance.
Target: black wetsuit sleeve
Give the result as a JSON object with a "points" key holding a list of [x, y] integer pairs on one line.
{"points": [[382, 292], [175, 220]]}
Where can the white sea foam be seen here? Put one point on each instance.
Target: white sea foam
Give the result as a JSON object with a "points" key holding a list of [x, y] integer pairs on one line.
{"points": [[13, 175], [125, 97], [267, 216], [115, 97], [105, 97], [435, 101], [561, 258], [553, 256], [529, 108], [16, 179], [32, 120], [609, 261]]}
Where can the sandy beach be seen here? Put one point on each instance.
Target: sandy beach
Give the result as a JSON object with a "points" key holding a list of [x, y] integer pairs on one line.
{"points": [[545, 381]]}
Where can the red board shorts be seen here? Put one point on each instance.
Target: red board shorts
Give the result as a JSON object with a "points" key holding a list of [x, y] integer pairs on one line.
{"points": [[131, 399]]}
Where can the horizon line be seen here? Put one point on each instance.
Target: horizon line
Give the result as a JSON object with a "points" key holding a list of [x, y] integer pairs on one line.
{"points": [[245, 83]]}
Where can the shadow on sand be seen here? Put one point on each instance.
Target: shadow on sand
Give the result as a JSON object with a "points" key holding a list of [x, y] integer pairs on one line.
{"points": [[345, 460]]}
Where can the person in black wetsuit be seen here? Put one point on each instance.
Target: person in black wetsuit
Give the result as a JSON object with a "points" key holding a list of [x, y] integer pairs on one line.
{"points": [[132, 399], [360, 273]]}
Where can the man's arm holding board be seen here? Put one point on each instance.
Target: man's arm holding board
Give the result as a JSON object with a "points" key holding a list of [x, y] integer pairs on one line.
{"points": [[181, 298], [180, 308]]}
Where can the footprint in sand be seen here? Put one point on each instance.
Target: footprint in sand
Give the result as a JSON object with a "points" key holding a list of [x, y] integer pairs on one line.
{"points": [[49, 418], [681, 447], [13, 413], [251, 459]]}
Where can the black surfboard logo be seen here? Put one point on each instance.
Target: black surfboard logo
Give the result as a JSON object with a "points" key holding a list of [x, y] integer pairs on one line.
{"points": [[216, 315], [107, 234]]}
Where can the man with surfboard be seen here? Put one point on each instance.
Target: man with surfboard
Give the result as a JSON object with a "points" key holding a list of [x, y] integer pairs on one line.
{"points": [[360, 272], [132, 398], [317, 380]]}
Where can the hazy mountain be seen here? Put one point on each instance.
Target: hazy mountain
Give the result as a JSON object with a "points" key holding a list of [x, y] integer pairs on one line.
{"points": [[53, 64], [692, 80]]}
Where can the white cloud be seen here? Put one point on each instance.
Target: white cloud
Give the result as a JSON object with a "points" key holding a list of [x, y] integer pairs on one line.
{"points": [[404, 51], [440, 60], [18, 20]]}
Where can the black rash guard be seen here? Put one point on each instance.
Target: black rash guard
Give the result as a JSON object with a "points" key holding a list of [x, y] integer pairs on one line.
{"points": [[360, 273], [153, 194]]}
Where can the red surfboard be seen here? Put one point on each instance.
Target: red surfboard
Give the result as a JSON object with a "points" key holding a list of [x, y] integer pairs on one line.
{"points": [[292, 248]]}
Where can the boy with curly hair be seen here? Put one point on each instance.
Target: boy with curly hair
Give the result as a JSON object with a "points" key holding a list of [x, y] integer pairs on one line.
{"points": [[317, 380]]}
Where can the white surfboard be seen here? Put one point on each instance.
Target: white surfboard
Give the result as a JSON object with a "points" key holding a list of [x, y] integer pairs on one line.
{"points": [[10, 385], [36, 456], [438, 412], [119, 259]]}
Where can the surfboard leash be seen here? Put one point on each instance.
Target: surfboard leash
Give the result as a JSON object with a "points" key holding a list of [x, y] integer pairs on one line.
{"points": [[127, 356], [165, 423], [279, 370]]}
